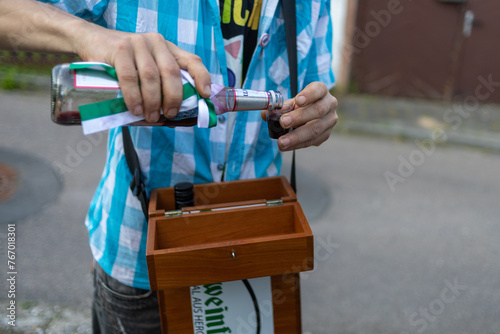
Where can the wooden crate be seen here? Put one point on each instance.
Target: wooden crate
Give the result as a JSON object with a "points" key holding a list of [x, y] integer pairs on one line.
{"points": [[236, 230]]}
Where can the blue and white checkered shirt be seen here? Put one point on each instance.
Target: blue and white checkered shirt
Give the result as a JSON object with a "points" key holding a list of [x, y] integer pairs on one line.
{"points": [[115, 221]]}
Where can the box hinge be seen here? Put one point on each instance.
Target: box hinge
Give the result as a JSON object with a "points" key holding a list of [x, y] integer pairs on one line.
{"points": [[178, 213], [274, 202], [173, 213]]}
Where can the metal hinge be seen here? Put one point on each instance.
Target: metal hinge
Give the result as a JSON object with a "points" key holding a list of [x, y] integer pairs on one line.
{"points": [[173, 213], [274, 202], [177, 213]]}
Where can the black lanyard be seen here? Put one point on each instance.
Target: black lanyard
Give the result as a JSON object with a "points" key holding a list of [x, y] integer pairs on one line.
{"points": [[289, 14]]}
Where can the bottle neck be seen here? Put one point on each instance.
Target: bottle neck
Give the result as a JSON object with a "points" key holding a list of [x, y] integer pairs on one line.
{"points": [[234, 99]]}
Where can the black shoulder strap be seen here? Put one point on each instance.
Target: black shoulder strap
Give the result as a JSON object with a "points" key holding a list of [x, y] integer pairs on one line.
{"points": [[289, 14], [137, 186], [291, 41]]}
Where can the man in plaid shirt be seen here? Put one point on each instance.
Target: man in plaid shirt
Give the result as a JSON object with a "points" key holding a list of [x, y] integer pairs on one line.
{"points": [[232, 43]]}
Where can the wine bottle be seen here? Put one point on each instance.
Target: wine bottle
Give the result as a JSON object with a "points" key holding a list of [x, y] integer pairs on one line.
{"points": [[88, 84]]}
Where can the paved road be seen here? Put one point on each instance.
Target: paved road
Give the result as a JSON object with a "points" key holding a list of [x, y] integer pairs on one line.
{"points": [[406, 235], [398, 251]]}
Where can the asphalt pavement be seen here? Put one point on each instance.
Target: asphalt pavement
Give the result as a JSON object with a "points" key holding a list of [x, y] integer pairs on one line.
{"points": [[404, 206]]}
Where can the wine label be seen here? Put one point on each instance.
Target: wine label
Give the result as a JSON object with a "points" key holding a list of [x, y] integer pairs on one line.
{"points": [[233, 307], [107, 114]]}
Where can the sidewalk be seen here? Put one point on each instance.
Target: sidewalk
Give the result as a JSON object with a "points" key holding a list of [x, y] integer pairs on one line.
{"points": [[475, 125]]}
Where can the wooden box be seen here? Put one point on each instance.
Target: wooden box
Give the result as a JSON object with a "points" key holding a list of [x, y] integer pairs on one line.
{"points": [[236, 230]]}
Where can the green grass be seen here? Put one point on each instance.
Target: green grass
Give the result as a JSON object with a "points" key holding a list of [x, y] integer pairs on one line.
{"points": [[9, 80]]}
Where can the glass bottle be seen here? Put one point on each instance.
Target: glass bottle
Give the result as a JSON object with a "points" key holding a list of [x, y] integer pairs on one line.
{"points": [[70, 91], [183, 195]]}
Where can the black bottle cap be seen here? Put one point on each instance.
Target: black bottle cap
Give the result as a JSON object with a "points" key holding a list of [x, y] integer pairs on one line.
{"points": [[183, 186]]}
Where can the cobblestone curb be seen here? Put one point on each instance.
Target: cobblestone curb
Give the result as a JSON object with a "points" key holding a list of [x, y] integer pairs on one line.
{"points": [[455, 123], [41, 318]]}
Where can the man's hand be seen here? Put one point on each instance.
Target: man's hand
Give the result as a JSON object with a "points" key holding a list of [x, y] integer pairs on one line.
{"points": [[150, 60], [145, 58], [313, 116]]}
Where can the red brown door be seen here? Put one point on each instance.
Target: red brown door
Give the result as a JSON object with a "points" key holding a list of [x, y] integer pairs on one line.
{"points": [[421, 49], [478, 72]]}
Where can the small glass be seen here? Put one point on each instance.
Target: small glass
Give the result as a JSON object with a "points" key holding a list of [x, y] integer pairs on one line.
{"points": [[273, 121]]}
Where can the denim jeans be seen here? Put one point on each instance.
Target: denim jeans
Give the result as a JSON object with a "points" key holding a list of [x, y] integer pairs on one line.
{"points": [[119, 308]]}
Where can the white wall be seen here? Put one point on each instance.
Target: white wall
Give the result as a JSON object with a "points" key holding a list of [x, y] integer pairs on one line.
{"points": [[339, 14]]}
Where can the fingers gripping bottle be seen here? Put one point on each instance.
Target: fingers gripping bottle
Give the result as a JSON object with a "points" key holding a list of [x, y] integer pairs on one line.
{"points": [[91, 94]]}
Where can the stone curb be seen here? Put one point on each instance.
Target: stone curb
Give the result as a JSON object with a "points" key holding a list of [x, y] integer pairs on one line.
{"points": [[421, 119], [42, 318], [483, 140]]}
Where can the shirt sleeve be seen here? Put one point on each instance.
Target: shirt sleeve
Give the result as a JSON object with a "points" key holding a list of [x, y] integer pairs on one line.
{"points": [[91, 10], [319, 66]]}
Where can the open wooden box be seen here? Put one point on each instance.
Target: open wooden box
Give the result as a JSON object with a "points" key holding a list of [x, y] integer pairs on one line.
{"points": [[236, 230]]}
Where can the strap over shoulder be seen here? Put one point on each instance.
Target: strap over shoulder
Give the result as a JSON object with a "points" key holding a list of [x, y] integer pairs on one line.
{"points": [[137, 186], [289, 13]]}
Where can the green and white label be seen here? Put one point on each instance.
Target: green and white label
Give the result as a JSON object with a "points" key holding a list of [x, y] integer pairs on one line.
{"points": [[236, 307], [112, 113]]}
